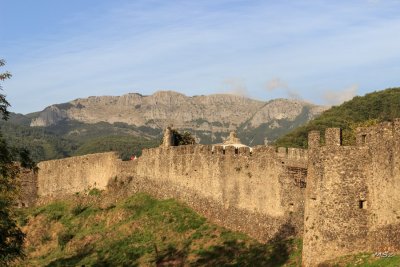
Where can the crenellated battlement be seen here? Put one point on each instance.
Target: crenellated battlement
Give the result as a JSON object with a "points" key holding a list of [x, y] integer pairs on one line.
{"points": [[371, 136], [228, 149], [281, 153], [333, 138]]}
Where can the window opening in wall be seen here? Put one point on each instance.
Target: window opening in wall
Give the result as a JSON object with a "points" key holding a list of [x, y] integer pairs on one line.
{"points": [[236, 150], [362, 204], [363, 138], [223, 151]]}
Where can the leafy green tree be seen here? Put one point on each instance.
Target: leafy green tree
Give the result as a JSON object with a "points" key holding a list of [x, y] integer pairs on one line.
{"points": [[11, 236], [184, 138]]}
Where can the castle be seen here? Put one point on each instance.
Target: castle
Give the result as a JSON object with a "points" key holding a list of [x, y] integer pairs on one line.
{"points": [[340, 199]]}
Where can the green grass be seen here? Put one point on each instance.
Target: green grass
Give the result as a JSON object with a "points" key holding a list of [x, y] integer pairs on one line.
{"points": [[53, 212], [365, 260], [140, 231], [94, 192]]}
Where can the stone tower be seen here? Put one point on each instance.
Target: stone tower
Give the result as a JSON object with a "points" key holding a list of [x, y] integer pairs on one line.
{"points": [[168, 138]]}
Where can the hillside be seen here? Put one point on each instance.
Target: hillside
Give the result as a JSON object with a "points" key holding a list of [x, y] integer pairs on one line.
{"points": [[93, 229], [140, 231], [360, 111]]}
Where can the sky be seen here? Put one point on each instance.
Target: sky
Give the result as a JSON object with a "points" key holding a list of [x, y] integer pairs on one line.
{"points": [[323, 52]]}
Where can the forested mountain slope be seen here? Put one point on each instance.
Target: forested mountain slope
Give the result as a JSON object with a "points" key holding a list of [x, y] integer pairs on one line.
{"points": [[360, 111]]}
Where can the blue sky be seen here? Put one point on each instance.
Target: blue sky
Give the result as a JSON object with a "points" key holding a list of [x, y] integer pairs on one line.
{"points": [[319, 51]]}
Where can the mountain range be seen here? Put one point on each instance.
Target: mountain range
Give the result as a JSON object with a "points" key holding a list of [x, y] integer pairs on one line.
{"points": [[208, 117]]}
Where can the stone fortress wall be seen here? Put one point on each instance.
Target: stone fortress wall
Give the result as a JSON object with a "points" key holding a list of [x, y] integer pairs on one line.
{"points": [[76, 174], [340, 199], [352, 202], [260, 191]]}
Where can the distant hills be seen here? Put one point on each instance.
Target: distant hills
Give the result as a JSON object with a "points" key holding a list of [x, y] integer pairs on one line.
{"points": [[130, 122], [360, 111]]}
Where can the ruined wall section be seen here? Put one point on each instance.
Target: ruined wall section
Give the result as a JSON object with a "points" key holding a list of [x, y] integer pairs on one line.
{"points": [[334, 223], [383, 202], [352, 202], [234, 179], [76, 174], [27, 183]]}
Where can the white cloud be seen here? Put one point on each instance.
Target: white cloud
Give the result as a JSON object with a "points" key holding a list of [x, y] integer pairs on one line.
{"points": [[277, 84], [337, 97]]}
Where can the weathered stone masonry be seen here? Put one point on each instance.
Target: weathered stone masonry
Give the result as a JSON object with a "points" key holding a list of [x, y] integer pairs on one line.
{"points": [[340, 199], [255, 190], [352, 202]]}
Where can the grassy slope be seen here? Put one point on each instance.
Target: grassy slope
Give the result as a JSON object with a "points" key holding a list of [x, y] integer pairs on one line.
{"points": [[141, 231], [360, 111]]}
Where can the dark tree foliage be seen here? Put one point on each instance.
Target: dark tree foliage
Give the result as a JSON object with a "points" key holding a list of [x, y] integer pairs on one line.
{"points": [[3, 102], [11, 236], [361, 111], [184, 138]]}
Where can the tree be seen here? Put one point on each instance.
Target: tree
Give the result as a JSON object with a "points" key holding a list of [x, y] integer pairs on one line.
{"points": [[185, 138], [3, 102], [11, 236]]}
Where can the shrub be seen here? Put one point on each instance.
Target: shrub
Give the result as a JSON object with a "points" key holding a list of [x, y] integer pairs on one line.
{"points": [[185, 138]]}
